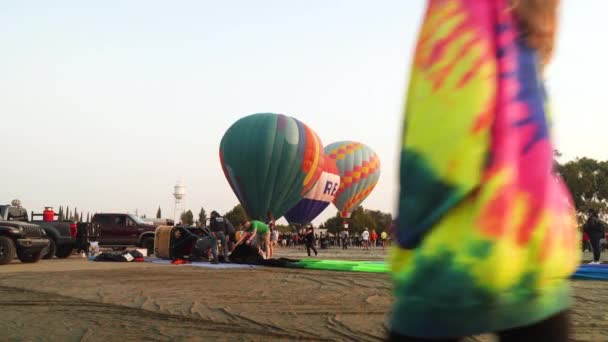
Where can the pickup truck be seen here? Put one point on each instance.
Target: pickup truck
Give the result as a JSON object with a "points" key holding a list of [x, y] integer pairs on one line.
{"points": [[121, 230], [27, 241], [61, 234]]}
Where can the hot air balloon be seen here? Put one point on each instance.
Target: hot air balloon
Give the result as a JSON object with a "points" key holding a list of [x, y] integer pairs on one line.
{"points": [[359, 168], [271, 161], [319, 197]]}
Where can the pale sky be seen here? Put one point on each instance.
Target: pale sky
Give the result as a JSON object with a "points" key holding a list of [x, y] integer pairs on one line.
{"points": [[106, 104]]}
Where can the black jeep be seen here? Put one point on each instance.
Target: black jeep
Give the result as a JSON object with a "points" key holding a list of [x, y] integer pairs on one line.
{"points": [[27, 241]]}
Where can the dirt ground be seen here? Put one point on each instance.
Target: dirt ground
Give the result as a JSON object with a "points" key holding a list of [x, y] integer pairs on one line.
{"points": [[79, 300]]}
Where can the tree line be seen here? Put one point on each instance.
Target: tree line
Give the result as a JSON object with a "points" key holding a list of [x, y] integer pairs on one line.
{"points": [[236, 215], [67, 215], [587, 180]]}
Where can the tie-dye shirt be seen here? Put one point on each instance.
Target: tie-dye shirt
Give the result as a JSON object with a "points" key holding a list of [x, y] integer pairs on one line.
{"points": [[486, 236]]}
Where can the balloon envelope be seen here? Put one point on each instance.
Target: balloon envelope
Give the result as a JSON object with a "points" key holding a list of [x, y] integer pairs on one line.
{"points": [[359, 168], [319, 197], [270, 161]]}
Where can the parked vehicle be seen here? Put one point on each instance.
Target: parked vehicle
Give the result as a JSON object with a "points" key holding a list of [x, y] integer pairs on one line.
{"points": [[27, 241], [61, 234], [122, 230]]}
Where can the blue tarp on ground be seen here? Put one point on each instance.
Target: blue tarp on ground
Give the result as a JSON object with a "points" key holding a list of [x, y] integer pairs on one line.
{"points": [[592, 272]]}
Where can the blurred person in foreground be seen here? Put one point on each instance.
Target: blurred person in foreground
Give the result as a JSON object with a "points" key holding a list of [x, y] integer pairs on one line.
{"points": [[486, 238]]}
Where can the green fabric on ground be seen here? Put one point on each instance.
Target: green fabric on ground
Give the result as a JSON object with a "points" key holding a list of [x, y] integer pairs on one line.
{"points": [[343, 265]]}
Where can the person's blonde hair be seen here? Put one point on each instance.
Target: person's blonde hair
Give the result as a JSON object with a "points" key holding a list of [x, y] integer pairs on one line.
{"points": [[537, 20]]}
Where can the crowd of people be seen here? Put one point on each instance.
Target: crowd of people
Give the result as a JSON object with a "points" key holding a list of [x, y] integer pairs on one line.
{"points": [[325, 240]]}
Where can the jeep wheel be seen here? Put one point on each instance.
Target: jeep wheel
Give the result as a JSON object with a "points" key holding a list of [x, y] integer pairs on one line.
{"points": [[30, 257], [7, 250], [63, 251], [49, 252], [148, 244]]}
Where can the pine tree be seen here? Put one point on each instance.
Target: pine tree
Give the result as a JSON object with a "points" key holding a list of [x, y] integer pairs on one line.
{"points": [[75, 217], [88, 217], [61, 216], [202, 217], [187, 218], [67, 212], [80, 218], [158, 213]]}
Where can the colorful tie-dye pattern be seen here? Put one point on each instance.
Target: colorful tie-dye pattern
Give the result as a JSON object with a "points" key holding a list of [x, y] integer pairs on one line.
{"points": [[486, 233]]}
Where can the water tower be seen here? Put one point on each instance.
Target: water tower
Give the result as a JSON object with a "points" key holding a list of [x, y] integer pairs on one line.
{"points": [[179, 192]]}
